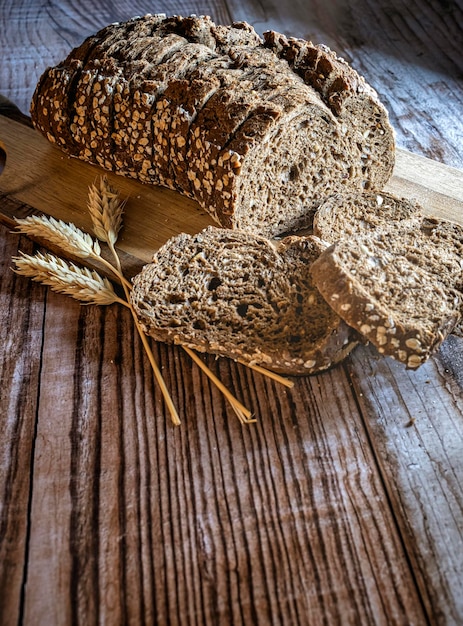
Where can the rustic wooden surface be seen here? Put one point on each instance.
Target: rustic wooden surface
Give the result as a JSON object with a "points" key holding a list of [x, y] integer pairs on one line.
{"points": [[342, 505]]}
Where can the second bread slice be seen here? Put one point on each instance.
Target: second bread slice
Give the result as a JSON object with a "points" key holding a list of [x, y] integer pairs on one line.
{"points": [[399, 306]]}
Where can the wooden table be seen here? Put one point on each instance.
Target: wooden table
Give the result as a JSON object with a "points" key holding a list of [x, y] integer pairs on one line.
{"points": [[343, 504]]}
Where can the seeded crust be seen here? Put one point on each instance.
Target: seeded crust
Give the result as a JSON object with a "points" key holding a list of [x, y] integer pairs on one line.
{"points": [[397, 225], [355, 103], [400, 307], [47, 110], [237, 295], [178, 65], [343, 216], [211, 111], [192, 95]]}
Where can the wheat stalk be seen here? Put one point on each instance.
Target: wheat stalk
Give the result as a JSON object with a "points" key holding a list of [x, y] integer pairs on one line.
{"points": [[244, 415], [106, 209], [273, 375], [81, 283], [65, 236]]}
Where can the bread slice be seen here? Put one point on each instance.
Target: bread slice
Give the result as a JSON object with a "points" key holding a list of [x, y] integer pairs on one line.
{"points": [[343, 216], [237, 123], [399, 226], [238, 295], [398, 305]]}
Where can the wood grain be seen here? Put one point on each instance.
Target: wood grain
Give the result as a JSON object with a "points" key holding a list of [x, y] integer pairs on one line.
{"points": [[150, 524], [22, 307], [415, 425], [335, 508]]}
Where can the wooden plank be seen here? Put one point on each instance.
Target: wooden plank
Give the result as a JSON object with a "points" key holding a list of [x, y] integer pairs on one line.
{"points": [[437, 187], [22, 310], [51, 503], [415, 423], [41, 176], [135, 521]]}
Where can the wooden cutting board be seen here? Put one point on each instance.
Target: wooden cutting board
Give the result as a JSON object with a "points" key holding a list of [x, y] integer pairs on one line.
{"points": [[38, 177]]}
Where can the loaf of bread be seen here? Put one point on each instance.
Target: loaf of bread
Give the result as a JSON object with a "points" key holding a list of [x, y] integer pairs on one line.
{"points": [[235, 294], [258, 131]]}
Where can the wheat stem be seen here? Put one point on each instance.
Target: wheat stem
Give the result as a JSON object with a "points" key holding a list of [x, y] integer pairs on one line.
{"points": [[244, 415], [273, 375], [157, 372], [117, 272], [106, 210]]}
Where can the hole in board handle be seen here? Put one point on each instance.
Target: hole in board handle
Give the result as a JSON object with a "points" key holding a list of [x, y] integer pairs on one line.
{"points": [[2, 158]]}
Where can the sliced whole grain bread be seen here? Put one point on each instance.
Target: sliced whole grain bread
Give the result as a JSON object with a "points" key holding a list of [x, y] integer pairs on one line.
{"points": [[238, 295], [241, 125], [400, 306], [398, 226]]}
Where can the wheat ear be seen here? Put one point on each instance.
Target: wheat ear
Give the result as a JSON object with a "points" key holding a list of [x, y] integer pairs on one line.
{"points": [[81, 283], [106, 208], [65, 236]]}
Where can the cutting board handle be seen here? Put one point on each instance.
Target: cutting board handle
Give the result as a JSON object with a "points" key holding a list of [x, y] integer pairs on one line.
{"points": [[9, 109]]}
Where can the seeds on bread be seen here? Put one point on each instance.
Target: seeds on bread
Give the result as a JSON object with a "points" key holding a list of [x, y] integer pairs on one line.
{"points": [[391, 272], [404, 310], [237, 123]]}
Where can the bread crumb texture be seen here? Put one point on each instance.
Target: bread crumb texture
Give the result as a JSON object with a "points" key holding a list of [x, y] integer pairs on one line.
{"points": [[405, 309], [234, 294]]}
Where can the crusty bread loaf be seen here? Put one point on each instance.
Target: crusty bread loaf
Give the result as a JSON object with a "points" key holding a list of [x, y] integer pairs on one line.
{"points": [[235, 294], [257, 132], [403, 309]]}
